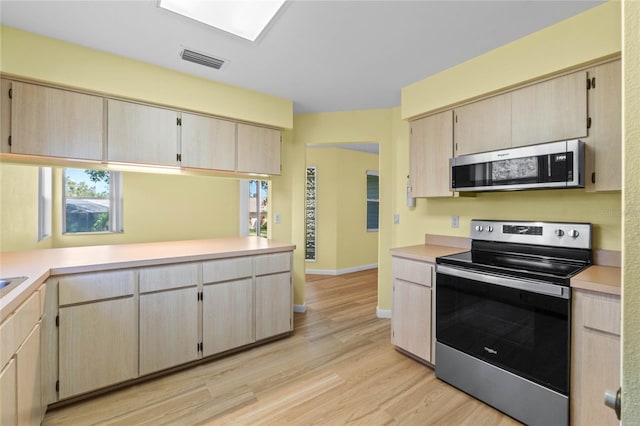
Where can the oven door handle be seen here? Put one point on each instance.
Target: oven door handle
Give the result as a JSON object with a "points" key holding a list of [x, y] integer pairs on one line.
{"points": [[533, 286]]}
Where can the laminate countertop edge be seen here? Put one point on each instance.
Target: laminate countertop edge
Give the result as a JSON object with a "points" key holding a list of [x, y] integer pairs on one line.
{"points": [[598, 278], [39, 265], [425, 252]]}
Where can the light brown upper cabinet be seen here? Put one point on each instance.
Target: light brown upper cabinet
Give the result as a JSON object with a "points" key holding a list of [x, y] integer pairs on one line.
{"points": [[603, 165], [142, 134], [5, 115], [430, 148], [208, 143], [483, 126], [552, 110], [258, 149], [55, 123]]}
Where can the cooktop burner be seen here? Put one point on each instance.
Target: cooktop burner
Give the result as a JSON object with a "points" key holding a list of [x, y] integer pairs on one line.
{"points": [[552, 252]]}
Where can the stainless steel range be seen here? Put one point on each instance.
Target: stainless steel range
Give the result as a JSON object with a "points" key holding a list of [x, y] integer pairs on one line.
{"points": [[503, 316]]}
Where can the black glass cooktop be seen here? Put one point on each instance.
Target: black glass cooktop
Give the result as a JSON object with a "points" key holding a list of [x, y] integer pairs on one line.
{"points": [[520, 260]]}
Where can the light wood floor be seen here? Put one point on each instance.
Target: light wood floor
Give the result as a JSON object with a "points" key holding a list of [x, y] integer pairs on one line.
{"points": [[337, 368]]}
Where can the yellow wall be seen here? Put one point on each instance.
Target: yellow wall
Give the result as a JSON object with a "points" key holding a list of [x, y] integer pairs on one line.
{"points": [[580, 39], [155, 208], [19, 209], [41, 58], [287, 199], [342, 239], [371, 126], [631, 253]]}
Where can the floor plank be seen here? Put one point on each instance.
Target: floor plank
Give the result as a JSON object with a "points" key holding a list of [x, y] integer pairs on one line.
{"points": [[337, 368]]}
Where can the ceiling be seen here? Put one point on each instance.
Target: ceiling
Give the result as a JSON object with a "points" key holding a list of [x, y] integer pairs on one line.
{"points": [[323, 55]]}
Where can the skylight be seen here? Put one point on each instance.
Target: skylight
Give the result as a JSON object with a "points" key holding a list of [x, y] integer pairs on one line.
{"points": [[244, 18]]}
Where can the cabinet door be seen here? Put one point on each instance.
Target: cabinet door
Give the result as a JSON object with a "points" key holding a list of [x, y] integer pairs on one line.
{"points": [[552, 110], [258, 150], [603, 165], [595, 357], [227, 316], [168, 329], [29, 401], [274, 305], [5, 116], [56, 123], [430, 148], [142, 134], [483, 126], [98, 345], [411, 319], [9, 392], [208, 143]]}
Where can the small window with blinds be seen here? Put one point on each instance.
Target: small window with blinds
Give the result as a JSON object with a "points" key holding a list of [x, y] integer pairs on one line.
{"points": [[373, 201]]}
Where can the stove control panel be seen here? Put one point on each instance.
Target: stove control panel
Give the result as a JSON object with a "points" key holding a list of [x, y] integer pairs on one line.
{"points": [[560, 234]]}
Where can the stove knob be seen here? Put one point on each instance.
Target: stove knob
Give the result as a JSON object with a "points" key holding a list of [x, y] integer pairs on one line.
{"points": [[489, 228], [559, 232], [573, 233], [479, 228]]}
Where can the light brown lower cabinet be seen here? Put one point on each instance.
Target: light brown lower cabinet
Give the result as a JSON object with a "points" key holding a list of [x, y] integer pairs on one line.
{"points": [[274, 313], [595, 357], [227, 316], [20, 368], [9, 391], [98, 345], [168, 329], [29, 400], [115, 326], [411, 321]]}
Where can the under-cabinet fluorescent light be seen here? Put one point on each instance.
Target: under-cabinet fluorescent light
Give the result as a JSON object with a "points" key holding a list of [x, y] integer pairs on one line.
{"points": [[244, 18], [127, 167]]}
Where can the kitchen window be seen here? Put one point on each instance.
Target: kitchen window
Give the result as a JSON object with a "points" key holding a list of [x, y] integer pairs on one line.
{"points": [[92, 201], [373, 201], [44, 202], [254, 207]]}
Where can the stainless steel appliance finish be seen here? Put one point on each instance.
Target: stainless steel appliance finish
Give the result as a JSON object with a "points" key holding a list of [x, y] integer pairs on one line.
{"points": [[520, 398], [557, 234], [549, 165], [503, 316]]}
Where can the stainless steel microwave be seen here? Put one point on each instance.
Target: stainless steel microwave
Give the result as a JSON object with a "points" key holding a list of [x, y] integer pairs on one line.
{"points": [[548, 165]]}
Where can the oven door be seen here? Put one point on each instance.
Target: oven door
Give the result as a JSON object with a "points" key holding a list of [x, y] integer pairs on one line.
{"points": [[519, 325]]}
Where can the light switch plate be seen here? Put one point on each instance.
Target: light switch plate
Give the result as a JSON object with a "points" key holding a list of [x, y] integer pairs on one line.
{"points": [[277, 218], [396, 219], [455, 221]]}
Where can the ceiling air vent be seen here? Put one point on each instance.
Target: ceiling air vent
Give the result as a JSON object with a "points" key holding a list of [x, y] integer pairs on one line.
{"points": [[199, 58]]}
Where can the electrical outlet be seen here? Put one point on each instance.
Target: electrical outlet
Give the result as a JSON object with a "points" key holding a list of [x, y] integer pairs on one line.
{"points": [[455, 221], [277, 218], [396, 219]]}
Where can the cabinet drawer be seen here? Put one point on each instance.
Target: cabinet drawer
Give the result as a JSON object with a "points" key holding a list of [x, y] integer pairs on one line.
{"points": [[601, 312], [412, 270], [272, 263], [227, 269], [17, 327], [167, 277], [95, 286]]}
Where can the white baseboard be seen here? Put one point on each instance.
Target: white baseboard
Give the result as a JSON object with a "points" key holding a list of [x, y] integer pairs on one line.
{"points": [[340, 271], [300, 308], [383, 313]]}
